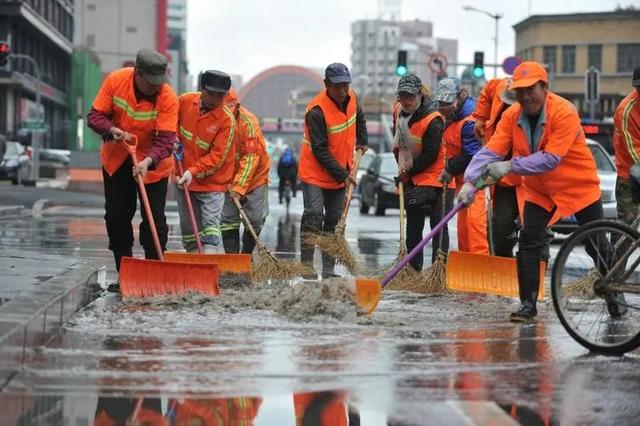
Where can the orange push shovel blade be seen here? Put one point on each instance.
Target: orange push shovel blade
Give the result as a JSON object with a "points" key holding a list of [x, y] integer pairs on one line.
{"points": [[367, 294], [481, 273], [147, 278], [238, 263]]}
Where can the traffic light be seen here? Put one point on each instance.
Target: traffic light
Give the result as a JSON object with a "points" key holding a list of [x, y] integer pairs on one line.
{"points": [[592, 85], [478, 65], [401, 68], [5, 51]]}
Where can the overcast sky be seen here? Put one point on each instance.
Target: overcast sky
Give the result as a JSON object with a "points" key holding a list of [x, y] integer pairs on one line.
{"points": [[248, 36]]}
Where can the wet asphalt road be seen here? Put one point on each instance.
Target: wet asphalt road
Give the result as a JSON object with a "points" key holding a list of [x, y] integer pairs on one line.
{"points": [[450, 359]]}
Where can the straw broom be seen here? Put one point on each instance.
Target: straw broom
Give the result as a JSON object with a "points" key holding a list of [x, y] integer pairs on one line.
{"points": [[583, 287], [408, 278], [434, 279], [335, 244], [268, 266]]}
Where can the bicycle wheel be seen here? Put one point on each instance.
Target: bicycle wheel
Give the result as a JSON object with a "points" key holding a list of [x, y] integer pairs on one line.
{"points": [[597, 256]]}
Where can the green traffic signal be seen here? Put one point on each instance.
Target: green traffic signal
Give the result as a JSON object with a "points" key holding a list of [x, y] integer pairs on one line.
{"points": [[478, 72], [401, 70]]}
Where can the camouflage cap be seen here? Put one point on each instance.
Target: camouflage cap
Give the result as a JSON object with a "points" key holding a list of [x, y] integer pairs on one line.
{"points": [[410, 84], [152, 65], [447, 90]]}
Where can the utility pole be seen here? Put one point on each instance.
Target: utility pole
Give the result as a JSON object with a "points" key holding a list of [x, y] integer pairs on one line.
{"points": [[496, 17]]}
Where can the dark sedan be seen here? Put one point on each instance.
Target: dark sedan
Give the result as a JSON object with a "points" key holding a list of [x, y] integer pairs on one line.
{"points": [[377, 187]]}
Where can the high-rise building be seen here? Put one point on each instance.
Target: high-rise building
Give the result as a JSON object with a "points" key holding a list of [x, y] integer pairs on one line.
{"points": [[116, 29], [43, 31], [177, 29], [375, 45]]}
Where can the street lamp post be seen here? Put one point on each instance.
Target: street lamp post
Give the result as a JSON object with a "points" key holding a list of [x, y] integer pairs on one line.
{"points": [[35, 146], [495, 16]]}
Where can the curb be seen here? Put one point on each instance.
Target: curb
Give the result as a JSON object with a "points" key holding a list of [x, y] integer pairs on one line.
{"points": [[10, 211], [28, 323]]}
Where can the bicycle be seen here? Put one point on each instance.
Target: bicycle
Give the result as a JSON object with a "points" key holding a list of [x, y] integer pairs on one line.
{"points": [[595, 286]]}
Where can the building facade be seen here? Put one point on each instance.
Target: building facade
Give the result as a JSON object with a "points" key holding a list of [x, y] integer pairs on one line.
{"points": [[570, 44], [116, 29], [177, 47], [43, 30], [375, 45]]}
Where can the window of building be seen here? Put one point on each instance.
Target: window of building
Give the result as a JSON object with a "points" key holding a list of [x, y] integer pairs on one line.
{"points": [[131, 30], [627, 52], [91, 7], [549, 56], [568, 59], [91, 40], [595, 56]]}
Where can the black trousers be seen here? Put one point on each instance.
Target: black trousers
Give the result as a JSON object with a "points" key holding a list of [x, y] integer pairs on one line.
{"points": [[415, 225], [533, 238], [121, 194], [505, 213]]}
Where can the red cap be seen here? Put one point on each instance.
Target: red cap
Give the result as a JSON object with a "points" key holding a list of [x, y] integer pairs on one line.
{"points": [[527, 74]]}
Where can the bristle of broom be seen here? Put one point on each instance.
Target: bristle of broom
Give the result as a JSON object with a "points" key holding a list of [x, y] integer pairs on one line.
{"points": [[269, 267], [583, 287], [335, 245], [434, 279]]}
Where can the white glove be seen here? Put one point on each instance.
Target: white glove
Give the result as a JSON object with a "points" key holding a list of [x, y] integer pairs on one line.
{"points": [[467, 194], [498, 169], [185, 179]]}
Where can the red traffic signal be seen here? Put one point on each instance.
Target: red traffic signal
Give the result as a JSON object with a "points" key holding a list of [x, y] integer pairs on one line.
{"points": [[5, 51]]}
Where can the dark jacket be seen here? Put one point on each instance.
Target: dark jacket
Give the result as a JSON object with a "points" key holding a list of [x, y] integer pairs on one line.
{"points": [[470, 144]]}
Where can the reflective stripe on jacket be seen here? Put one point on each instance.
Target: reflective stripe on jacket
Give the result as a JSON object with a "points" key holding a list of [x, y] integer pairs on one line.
{"points": [[252, 160], [626, 136]]}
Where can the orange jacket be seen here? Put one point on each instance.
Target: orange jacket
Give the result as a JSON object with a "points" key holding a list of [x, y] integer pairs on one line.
{"points": [[209, 146], [488, 114], [429, 176], [626, 136], [117, 98], [252, 160], [341, 132], [574, 183]]}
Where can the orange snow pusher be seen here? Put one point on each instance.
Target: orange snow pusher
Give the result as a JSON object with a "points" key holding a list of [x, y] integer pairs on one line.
{"points": [[227, 263], [144, 278]]}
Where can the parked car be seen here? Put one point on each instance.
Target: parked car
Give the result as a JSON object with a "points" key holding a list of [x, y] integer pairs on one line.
{"points": [[607, 174], [377, 186], [16, 163], [51, 160], [365, 162]]}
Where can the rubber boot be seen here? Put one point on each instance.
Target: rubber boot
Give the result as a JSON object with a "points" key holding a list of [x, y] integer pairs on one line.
{"points": [[328, 266], [231, 240], [248, 243], [528, 285], [118, 255]]}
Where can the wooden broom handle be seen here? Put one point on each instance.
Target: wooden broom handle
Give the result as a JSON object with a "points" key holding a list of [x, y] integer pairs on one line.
{"points": [[245, 219], [350, 187], [401, 201], [130, 146]]}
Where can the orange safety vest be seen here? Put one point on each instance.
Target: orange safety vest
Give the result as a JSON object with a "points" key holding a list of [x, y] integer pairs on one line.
{"points": [[252, 162], [341, 132], [429, 176], [574, 183], [626, 136], [117, 98], [209, 144]]}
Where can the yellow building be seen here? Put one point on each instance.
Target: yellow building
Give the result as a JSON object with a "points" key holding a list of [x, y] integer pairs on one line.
{"points": [[570, 44]]}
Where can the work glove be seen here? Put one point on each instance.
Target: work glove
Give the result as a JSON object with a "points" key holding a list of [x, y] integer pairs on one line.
{"points": [[445, 177], [363, 148], [498, 169], [142, 168], [185, 179], [467, 194]]}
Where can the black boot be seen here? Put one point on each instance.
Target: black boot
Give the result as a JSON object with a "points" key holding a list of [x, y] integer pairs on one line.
{"points": [[231, 240], [248, 243], [528, 285]]}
